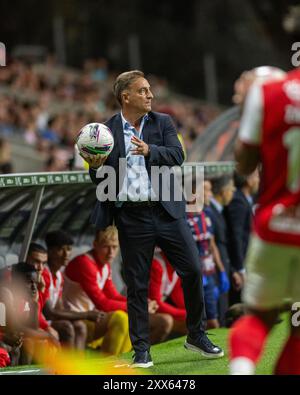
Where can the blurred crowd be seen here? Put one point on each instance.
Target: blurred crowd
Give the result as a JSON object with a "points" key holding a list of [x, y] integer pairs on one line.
{"points": [[47, 104]]}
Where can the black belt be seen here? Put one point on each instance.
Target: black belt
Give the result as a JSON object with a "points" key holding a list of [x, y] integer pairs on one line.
{"points": [[140, 204]]}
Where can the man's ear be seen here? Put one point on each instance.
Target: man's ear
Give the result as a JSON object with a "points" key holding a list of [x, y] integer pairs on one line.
{"points": [[125, 97]]}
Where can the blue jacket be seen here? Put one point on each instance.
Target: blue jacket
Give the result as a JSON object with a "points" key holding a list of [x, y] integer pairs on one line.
{"points": [[165, 150]]}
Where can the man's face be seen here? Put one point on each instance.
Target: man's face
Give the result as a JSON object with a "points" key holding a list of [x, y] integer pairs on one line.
{"points": [[60, 256], [37, 260], [207, 192], [138, 96], [31, 284], [253, 182], [106, 250], [227, 193]]}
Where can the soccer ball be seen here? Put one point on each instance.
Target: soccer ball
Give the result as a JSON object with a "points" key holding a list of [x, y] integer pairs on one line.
{"points": [[95, 139]]}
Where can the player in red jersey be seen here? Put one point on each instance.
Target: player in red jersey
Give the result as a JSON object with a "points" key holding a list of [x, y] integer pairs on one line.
{"points": [[88, 285], [270, 135], [10, 339], [26, 310], [66, 326], [165, 288], [70, 325]]}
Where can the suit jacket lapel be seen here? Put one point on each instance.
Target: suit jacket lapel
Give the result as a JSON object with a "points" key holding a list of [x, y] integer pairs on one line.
{"points": [[119, 135], [147, 129]]}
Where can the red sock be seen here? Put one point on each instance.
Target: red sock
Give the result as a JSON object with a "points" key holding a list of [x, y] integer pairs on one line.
{"points": [[289, 360], [247, 338]]}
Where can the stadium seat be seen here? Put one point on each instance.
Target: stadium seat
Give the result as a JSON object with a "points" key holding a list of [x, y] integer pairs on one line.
{"points": [[2, 263], [11, 259], [78, 250]]}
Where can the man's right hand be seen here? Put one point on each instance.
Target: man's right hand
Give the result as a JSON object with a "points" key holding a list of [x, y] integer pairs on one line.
{"points": [[41, 283], [94, 161], [13, 339]]}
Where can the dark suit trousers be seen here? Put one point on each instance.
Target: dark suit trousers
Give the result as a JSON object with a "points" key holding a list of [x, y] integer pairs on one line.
{"points": [[140, 230]]}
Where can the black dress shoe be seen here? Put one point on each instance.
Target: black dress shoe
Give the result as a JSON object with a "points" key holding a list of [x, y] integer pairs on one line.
{"points": [[204, 346], [142, 360]]}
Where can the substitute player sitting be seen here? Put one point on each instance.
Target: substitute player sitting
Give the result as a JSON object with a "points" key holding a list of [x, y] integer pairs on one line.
{"points": [[166, 289], [88, 285]]}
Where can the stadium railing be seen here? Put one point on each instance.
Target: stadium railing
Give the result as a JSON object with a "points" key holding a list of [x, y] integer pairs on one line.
{"points": [[31, 204]]}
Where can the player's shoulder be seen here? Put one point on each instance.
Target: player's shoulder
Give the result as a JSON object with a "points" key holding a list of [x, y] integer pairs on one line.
{"points": [[80, 260], [275, 86], [293, 74]]}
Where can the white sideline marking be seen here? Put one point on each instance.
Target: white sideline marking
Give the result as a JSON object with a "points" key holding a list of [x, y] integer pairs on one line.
{"points": [[20, 371]]}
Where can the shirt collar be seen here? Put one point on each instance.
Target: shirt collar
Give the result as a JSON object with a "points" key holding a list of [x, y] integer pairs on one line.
{"points": [[250, 199], [127, 125], [217, 205], [97, 261]]}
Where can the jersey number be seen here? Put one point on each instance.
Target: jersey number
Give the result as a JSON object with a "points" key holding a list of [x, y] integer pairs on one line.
{"points": [[291, 141]]}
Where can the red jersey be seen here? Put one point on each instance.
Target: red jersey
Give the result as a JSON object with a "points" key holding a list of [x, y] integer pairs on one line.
{"points": [[271, 121], [165, 283], [54, 285], [88, 285], [25, 311], [4, 358], [44, 296]]}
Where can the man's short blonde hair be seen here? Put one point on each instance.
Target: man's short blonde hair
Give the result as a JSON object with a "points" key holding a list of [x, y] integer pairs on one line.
{"points": [[108, 234], [123, 82]]}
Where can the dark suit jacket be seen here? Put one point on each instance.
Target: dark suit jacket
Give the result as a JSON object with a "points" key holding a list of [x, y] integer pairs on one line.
{"points": [[238, 216], [221, 235], [165, 150]]}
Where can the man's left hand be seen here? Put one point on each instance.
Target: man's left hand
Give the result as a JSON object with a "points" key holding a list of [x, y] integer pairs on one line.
{"points": [[141, 147], [152, 306], [237, 280]]}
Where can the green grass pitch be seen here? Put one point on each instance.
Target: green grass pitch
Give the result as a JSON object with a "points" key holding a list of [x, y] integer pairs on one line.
{"points": [[170, 358]]}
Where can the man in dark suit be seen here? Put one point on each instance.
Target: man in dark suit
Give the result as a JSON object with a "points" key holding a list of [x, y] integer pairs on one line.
{"points": [[223, 189], [145, 141], [238, 216]]}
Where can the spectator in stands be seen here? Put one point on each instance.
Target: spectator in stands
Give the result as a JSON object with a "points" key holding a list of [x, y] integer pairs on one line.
{"points": [[223, 189], [88, 285], [238, 214], [5, 157], [50, 103], [165, 288]]}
